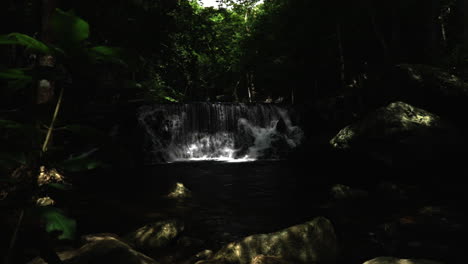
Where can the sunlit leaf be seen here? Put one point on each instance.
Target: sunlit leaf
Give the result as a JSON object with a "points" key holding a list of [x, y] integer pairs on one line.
{"points": [[170, 99], [68, 28], [24, 40]]}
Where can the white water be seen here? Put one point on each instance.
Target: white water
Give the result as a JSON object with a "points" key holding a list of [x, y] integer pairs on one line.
{"points": [[219, 132]]}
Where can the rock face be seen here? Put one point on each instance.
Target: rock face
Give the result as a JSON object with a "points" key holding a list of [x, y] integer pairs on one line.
{"points": [[102, 249], [311, 242], [391, 260], [398, 130], [155, 236]]}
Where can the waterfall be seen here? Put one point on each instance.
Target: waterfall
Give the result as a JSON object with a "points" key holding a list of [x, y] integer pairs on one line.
{"points": [[217, 131]]}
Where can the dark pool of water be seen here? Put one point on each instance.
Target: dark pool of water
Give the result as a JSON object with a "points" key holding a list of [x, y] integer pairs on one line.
{"points": [[233, 200]]}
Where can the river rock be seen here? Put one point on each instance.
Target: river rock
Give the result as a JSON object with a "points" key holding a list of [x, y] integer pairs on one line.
{"points": [[344, 192], [262, 259], [102, 250], [311, 242], [392, 260], [156, 235], [179, 191], [398, 132]]}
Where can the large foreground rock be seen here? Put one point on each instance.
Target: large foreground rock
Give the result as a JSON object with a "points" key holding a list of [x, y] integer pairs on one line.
{"points": [[102, 249], [392, 260], [155, 236], [311, 242], [399, 130]]}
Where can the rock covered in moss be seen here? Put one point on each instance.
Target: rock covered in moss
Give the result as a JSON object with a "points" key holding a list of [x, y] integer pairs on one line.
{"points": [[398, 130], [310, 242], [156, 235], [179, 191], [392, 260], [102, 249]]}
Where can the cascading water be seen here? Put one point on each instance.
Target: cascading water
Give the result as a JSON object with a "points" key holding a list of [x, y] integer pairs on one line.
{"points": [[217, 131]]}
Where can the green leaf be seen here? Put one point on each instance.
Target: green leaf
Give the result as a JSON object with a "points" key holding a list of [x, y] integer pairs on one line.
{"points": [[24, 40], [83, 162], [87, 132], [55, 220], [9, 124], [15, 74], [106, 54], [170, 99], [59, 186], [68, 28]]}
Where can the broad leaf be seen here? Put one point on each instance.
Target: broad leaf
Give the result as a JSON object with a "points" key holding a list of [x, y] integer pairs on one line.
{"points": [[106, 54], [87, 132], [15, 74], [59, 186], [69, 29], [83, 162], [24, 40], [55, 220], [9, 124]]}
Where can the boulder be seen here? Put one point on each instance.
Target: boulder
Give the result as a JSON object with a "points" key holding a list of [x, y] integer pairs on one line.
{"points": [[262, 259], [179, 191], [102, 249], [399, 131], [344, 192], [392, 260], [155, 236], [311, 242]]}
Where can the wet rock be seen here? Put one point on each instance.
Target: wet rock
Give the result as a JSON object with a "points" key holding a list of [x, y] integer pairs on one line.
{"points": [[343, 192], [179, 191], [97, 237], [104, 250], [311, 242], [392, 260], [262, 259], [399, 134], [156, 235]]}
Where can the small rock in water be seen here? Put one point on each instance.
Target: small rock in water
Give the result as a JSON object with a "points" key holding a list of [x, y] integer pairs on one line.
{"points": [[263, 259], [392, 260], [180, 192], [340, 191]]}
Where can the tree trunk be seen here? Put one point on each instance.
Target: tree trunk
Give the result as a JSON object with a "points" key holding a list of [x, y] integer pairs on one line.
{"points": [[45, 88], [341, 54], [380, 36]]}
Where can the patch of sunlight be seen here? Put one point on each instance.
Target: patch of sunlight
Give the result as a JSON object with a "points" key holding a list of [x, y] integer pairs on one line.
{"points": [[339, 141], [180, 191], [426, 120]]}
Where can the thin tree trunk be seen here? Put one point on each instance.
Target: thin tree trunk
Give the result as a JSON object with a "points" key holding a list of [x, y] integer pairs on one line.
{"points": [[341, 55], [249, 92], [378, 33], [45, 88]]}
